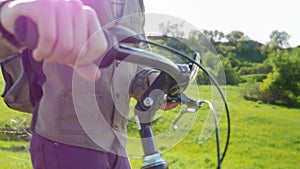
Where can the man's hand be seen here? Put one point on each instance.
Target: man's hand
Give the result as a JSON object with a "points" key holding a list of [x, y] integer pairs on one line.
{"points": [[69, 32]]}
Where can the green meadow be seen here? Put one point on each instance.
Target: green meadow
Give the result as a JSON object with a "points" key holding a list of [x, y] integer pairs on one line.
{"points": [[262, 136]]}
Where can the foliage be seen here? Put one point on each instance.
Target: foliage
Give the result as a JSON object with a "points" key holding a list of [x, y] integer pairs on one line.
{"points": [[247, 68], [279, 39], [253, 78], [172, 30], [203, 79], [220, 68], [235, 36], [239, 54], [242, 51], [282, 85], [249, 51], [214, 36], [232, 77], [198, 41]]}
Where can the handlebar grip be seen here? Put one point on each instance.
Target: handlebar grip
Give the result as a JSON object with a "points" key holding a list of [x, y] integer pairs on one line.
{"points": [[26, 32]]}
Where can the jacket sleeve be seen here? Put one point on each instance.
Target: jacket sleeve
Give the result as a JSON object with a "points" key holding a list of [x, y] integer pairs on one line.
{"points": [[9, 47]]}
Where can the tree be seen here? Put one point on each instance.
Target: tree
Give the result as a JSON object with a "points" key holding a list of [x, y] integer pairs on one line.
{"points": [[232, 77], [214, 36], [172, 30], [249, 50], [279, 39], [222, 70], [235, 36]]}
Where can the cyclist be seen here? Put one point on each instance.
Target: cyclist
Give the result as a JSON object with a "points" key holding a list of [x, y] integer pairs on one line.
{"points": [[71, 40]]}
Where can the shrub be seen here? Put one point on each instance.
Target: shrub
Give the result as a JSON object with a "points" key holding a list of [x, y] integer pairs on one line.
{"points": [[283, 85]]}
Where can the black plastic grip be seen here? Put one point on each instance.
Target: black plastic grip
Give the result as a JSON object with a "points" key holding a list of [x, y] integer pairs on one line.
{"points": [[26, 32]]}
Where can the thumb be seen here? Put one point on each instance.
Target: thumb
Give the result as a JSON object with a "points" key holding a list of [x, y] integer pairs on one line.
{"points": [[90, 72], [169, 106]]}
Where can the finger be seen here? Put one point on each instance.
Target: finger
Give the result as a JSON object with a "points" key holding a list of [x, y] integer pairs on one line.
{"points": [[96, 44], [64, 42], [30, 9], [89, 72], [46, 27], [169, 105], [80, 35], [47, 33]]}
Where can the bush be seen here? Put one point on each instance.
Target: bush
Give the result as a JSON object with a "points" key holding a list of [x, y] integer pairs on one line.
{"points": [[283, 85], [255, 68], [221, 68], [252, 92], [254, 77]]}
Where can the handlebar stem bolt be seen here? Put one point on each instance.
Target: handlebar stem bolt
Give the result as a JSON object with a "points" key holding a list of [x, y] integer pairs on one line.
{"points": [[148, 101]]}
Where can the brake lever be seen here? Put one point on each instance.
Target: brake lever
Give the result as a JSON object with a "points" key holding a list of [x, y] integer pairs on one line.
{"points": [[187, 110], [192, 106]]}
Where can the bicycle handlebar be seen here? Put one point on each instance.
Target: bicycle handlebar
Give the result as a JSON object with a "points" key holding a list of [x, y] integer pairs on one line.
{"points": [[26, 32], [173, 79]]}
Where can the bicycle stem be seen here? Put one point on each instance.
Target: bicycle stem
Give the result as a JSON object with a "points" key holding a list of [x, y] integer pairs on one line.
{"points": [[144, 112]]}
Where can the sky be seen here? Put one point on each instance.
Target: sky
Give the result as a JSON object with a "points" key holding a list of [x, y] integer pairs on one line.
{"points": [[256, 18]]}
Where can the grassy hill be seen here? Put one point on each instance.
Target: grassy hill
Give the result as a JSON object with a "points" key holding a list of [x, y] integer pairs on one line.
{"points": [[263, 136]]}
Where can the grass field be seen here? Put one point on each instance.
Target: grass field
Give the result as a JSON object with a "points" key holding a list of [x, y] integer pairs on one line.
{"points": [[263, 137]]}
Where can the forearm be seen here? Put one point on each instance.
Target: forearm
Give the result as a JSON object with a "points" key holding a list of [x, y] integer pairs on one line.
{"points": [[9, 47]]}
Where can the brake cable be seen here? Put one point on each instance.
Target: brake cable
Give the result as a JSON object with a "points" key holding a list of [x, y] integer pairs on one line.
{"points": [[220, 158]]}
